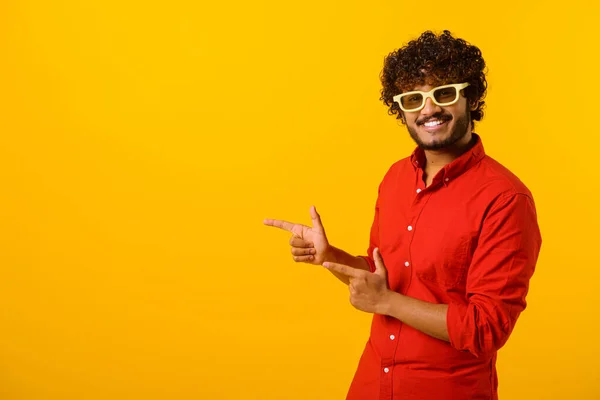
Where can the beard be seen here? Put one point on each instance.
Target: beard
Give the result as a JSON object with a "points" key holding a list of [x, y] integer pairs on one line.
{"points": [[460, 129]]}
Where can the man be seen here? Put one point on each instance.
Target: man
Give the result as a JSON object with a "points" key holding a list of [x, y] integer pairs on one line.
{"points": [[457, 230]]}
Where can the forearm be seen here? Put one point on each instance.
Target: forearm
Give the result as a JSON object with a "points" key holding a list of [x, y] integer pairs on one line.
{"points": [[429, 318], [341, 257]]}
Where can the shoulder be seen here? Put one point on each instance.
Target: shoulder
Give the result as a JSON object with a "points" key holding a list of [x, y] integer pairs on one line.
{"points": [[498, 180], [398, 169]]}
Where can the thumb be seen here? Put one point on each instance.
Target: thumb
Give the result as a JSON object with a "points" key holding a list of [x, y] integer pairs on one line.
{"points": [[379, 265], [316, 219]]}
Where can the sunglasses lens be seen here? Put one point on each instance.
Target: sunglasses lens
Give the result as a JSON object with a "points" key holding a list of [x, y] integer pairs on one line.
{"points": [[412, 101], [445, 95]]}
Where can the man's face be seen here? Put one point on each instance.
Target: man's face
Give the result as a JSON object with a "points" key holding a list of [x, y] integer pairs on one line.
{"points": [[425, 128]]}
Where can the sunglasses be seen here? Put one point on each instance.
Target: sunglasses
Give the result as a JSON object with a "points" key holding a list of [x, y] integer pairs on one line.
{"points": [[445, 95]]}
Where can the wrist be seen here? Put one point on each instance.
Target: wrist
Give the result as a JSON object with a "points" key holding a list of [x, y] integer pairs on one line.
{"points": [[330, 254], [386, 303]]}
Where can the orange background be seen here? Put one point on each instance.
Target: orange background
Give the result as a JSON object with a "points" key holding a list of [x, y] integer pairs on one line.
{"points": [[143, 143]]}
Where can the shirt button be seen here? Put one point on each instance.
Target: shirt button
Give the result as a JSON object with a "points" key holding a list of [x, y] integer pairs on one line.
{"points": [[386, 370], [410, 228], [407, 264], [392, 337], [447, 179], [418, 190]]}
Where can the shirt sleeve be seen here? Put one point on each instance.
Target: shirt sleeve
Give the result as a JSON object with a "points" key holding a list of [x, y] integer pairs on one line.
{"points": [[498, 277], [373, 235]]}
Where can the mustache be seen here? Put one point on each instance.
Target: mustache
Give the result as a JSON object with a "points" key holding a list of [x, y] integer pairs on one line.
{"points": [[439, 116]]}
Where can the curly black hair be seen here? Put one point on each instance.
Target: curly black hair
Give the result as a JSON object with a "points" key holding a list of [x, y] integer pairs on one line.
{"points": [[434, 60]]}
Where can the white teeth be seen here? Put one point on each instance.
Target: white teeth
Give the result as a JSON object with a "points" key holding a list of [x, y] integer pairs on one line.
{"points": [[433, 123]]}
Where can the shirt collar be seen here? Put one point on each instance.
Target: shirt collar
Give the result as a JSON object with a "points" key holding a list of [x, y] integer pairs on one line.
{"points": [[456, 167]]}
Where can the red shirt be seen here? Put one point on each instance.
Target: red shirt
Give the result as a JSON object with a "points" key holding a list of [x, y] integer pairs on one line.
{"points": [[469, 240]]}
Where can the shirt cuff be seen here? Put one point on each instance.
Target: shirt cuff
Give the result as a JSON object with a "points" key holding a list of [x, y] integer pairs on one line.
{"points": [[371, 262], [455, 324]]}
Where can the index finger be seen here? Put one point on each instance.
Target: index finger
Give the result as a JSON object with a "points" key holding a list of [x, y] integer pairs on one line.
{"points": [[343, 269], [278, 223]]}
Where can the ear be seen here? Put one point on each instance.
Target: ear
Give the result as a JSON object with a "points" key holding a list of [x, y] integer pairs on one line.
{"points": [[473, 105]]}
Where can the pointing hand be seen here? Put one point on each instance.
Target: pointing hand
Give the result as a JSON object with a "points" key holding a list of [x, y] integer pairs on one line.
{"points": [[309, 244]]}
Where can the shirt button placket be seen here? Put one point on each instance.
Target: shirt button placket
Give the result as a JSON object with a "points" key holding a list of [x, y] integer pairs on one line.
{"points": [[385, 391]]}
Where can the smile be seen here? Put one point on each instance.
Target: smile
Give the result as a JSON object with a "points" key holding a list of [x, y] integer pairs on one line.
{"points": [[434, 125]]}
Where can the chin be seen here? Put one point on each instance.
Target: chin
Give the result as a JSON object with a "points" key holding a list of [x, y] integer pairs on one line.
{"points": [[432, 139], [433, 145]]}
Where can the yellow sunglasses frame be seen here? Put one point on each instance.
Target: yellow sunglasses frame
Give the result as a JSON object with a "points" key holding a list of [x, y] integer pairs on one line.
{"points": [[457, 86]]}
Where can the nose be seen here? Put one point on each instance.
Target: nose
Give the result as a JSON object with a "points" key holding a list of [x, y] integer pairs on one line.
{"points": [[430, 107]]}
